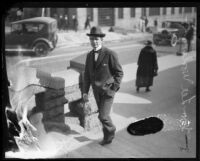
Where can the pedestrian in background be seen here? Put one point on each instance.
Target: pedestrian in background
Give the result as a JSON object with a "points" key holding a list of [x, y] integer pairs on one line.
{"points": [[142, 24], [189, 36], [63, 22], [66, 22], [19, 14], [87, 22], [60, 22], [146, 23], [104, 73], [75, 23], [55, 16], [156, 23], [147, 67]]}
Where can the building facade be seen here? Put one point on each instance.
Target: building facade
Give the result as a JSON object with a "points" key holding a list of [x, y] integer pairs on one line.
{"points": [[127, 18]]}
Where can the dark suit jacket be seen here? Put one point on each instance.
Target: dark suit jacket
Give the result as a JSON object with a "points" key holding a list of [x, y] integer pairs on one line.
{"points": [[105, 75]]}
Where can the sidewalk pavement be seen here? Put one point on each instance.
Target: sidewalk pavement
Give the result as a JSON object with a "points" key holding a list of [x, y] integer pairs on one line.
{"points": [[79, 144], [71, 38]]}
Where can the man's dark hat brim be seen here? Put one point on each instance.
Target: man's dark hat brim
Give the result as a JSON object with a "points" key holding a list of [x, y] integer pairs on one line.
{"points": [[96, 31], [97, 35]]}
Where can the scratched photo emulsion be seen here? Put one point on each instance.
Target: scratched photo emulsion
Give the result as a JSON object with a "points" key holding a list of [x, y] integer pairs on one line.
{"points": [[94, 82]]}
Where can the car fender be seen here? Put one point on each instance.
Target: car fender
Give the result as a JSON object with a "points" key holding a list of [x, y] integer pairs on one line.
{"points": [[43, 40]]}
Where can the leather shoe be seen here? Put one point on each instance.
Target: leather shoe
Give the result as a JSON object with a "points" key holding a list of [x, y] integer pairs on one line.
{"points": [[104, 142]]}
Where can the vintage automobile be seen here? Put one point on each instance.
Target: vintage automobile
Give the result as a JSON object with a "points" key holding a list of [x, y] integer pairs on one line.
{"points": [[170, 32], [38, 35]]}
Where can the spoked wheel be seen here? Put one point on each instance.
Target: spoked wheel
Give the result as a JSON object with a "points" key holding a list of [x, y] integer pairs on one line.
{"points": [[41, 49], [174, 40]]}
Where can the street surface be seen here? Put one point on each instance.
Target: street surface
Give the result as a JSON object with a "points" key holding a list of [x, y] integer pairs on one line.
{"points": [[127, 51]]}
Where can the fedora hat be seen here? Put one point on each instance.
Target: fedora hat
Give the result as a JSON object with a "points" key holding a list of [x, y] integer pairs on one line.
{"points": [[148, 42], [96, 31]]}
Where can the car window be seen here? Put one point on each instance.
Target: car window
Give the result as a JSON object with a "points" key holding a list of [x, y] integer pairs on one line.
{"points": [[167, 24], [54, 26], [16, 28], [34, 28], [41, 27]]}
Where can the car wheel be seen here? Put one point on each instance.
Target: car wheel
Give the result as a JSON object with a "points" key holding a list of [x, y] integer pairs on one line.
{"points": [[174, 40], [41, 49]]}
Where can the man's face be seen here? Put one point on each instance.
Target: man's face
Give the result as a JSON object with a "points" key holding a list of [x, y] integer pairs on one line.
{"points": [[96, 42]]}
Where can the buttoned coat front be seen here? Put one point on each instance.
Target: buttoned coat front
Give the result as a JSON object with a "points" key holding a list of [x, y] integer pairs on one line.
{"points": [[105, 74]]}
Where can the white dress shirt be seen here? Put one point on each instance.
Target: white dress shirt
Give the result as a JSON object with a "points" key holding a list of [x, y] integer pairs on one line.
{"points": [[96, 52]]}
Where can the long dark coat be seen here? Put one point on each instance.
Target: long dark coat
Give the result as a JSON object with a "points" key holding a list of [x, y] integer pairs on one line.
{"points": [[147, 67]]}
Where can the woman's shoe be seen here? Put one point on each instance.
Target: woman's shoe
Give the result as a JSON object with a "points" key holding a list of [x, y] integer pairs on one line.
{"points": [[104, 142]]}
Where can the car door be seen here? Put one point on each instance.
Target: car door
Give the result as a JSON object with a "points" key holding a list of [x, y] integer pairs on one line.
{"points": [[29, 34], [34, 31], [13, 40]]}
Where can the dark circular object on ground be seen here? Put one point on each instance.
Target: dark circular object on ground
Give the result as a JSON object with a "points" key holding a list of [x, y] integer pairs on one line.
{"points": [[146, 126]]}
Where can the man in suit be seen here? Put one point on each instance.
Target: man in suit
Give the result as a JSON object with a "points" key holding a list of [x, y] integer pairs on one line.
{"points": [[104, 73]]}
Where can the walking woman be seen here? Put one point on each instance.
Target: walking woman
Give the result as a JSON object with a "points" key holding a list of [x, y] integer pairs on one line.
{"points": [[147, 67]]}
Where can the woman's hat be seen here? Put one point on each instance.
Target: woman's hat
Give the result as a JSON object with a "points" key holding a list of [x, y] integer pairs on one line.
{"points": [[96, 31], [148, 42]]}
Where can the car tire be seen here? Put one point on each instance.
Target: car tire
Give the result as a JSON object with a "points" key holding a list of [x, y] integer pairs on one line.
{"points": [[174, 40], [41, 49]]}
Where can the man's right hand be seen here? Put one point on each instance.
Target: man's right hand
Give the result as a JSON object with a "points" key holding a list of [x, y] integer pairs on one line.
{"points": [[85, 97]]}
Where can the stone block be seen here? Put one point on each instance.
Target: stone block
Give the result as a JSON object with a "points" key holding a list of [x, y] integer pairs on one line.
{"points": [[58, 118], [72, 89], [70, 76], [73, 96], [48, 97], [53, 112], [71, 118], [56, 83], [53, 103], [47, 80], [50, 126], [51, 94], [73, 93], [78, 62]]}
